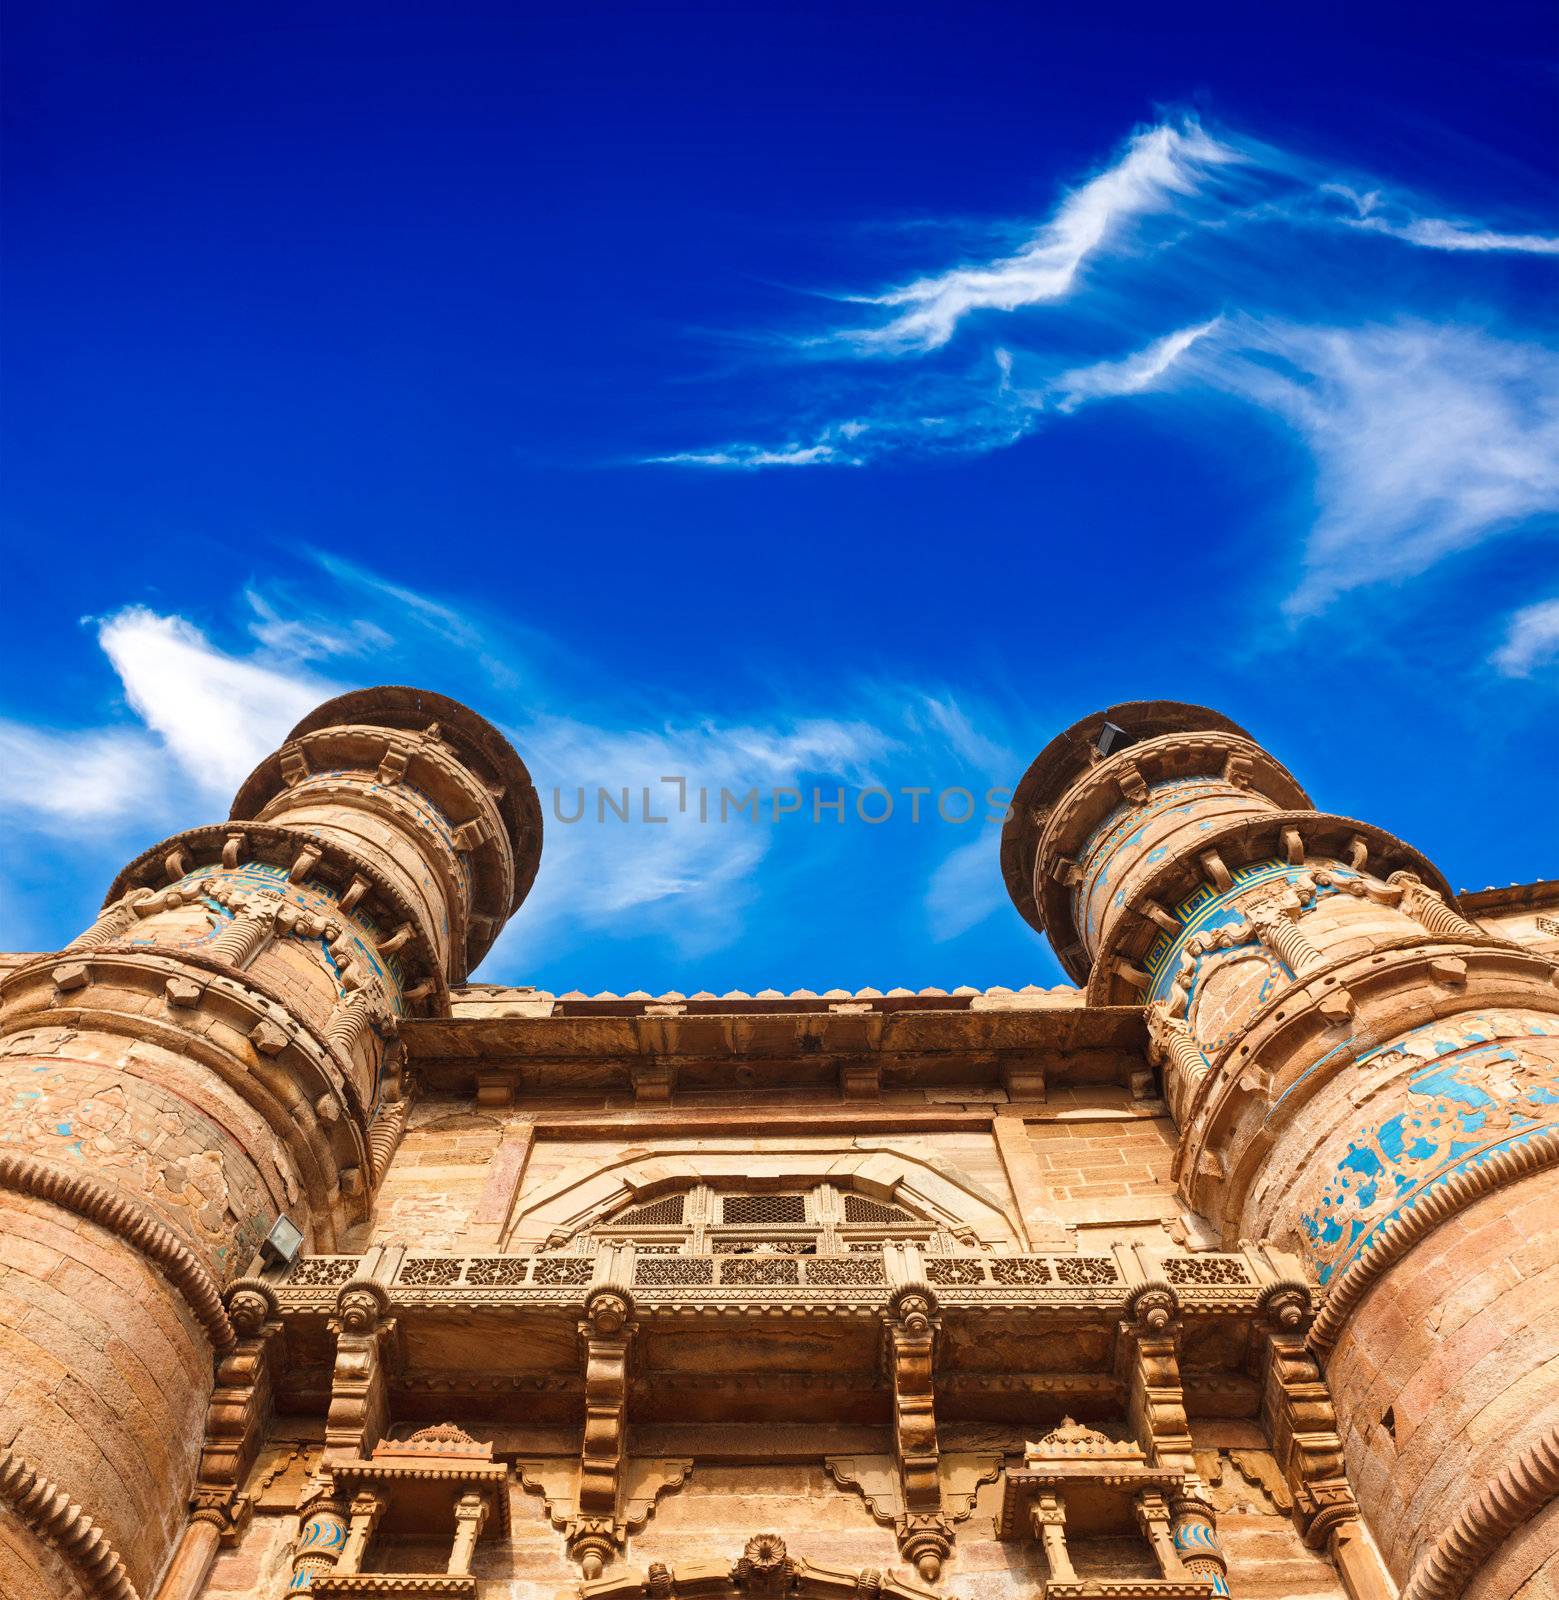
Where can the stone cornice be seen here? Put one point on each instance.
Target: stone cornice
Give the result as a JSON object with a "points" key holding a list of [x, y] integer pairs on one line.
{"points": [[935, 1044], [1065, 758], [48, 1513], [1287, 1041], [86, 1197], [401, 718]]}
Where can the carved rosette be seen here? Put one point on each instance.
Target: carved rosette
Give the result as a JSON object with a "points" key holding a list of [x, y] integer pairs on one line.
{"points": [[764, 1568]]}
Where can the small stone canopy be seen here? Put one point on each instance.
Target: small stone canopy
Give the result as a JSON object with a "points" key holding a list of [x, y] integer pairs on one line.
{"points": [[764, 1570]]}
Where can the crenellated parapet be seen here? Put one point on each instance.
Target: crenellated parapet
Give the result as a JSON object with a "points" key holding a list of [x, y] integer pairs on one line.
{"points": [[1351, 1063], [219, 1050]]}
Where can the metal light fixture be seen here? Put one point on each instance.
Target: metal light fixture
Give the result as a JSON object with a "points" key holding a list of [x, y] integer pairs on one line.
{"points": [[283, 1242]]}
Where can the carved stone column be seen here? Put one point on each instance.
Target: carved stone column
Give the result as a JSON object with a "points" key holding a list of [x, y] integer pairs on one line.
{"points": [[1153, 1519], [363, 1518], [1048, 1519], [209, 1056], [322, 1530], [1352, 1064], [1195, 1535]]}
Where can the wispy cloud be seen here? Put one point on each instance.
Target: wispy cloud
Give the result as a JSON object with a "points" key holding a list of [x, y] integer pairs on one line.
{"points": [[963, 891], [1157, 166], [60, 781], [1430, 430], [1381, 213], [1133, 374], [1426, 439], [205, 712], [1531, 640], [690, 877], [309, 636], [827, 451]]}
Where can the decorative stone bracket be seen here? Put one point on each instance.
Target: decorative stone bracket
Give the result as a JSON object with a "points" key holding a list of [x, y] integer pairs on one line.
{"points": [[367, 1348], [644, 1480], [911, 1326], [597, 1526], [877, 1479], [1300, 1422]]}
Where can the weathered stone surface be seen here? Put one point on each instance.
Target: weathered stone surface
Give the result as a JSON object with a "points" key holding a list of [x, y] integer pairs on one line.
{"points": [[1237, 1264]]}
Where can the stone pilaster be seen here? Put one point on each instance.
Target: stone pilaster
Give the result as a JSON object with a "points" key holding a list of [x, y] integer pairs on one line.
{"points": [[1359, 1075]]}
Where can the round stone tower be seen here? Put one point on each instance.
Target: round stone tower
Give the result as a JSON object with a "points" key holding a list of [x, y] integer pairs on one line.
{"points": [[1359, 1075], [216, 1052]]}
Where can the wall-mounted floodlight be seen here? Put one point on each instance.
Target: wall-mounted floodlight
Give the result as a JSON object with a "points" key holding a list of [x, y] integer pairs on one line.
{"points": [[283, 1242], [1111, 738]]}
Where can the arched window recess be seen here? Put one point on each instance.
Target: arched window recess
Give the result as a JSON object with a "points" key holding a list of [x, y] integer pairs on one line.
{"points": [[725, 1220]]}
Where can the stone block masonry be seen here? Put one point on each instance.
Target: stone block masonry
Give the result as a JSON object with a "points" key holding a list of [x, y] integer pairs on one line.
{"points": [[1231, 1269]]}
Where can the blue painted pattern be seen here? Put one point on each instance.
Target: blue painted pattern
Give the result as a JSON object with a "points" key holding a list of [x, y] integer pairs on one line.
{"points": [[1487, 1082]]}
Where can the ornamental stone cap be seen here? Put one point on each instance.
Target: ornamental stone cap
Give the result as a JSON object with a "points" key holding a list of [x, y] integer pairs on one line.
{"points": [[1074, 1441], [1066, 758], [442, 1442]]}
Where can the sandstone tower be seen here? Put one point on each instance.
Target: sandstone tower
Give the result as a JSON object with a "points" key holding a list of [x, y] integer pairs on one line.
{"points": [[1233, 1269]]}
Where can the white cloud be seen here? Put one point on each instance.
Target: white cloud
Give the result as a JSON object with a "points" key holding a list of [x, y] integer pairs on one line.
{"points": [[1158, 166], [965, 889], [311, 637], [1531, 639], [1131, 375], [1427, 439], [217, 715], [1382, 214], [691, 876], [752, 456], [62, 781]]}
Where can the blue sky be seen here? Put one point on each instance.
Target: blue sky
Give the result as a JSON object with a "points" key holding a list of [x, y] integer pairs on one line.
{"points": [[777, 397]]}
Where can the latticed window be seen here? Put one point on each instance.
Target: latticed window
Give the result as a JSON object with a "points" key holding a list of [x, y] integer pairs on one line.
{"points": [[857, 1208], [763, 1209], [705, 1219], [654, 1213]]}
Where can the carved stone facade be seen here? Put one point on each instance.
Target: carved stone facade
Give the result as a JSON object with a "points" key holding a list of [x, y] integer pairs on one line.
{"points": [[1232, 1270]]}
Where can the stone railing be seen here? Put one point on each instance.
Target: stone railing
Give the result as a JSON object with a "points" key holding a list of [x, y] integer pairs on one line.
{"points": [[864, 1278]]}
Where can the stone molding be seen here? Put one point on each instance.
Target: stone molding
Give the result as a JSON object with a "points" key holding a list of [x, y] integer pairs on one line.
{"points": [[1515, 1496], [1069, 756], [47, 1512], [1204, 1282], [321, 858], [281, 1081], [1271, 1060], [1403, 1232], [74, 1191], [1323, 836]]}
